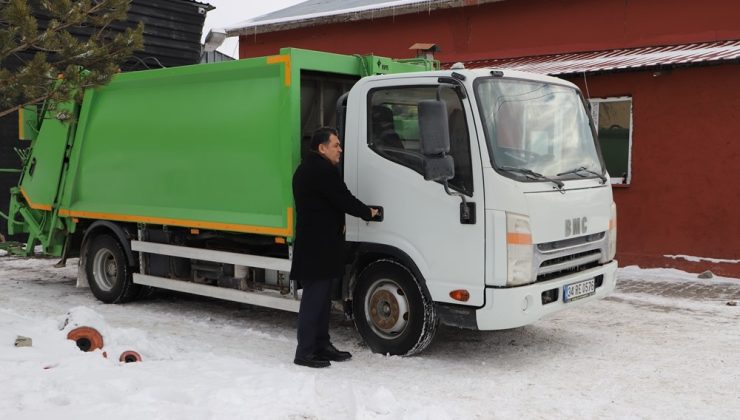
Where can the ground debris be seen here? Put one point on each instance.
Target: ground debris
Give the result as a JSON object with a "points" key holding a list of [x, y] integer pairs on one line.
{"points": [[706, 275], [22, 341]]}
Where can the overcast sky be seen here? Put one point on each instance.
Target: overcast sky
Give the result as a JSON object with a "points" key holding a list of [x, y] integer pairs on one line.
{"points": [[229, 12]]}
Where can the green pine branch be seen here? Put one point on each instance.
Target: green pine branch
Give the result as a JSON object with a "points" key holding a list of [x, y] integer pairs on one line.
{"points": [[46, 62]]}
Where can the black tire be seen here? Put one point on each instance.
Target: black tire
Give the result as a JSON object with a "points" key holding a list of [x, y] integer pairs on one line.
{"points": [[108, 272], [391, 310]]}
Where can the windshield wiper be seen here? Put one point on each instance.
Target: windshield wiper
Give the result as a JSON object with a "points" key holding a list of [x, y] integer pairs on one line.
{"points": [[584, 169], [533, 175]]}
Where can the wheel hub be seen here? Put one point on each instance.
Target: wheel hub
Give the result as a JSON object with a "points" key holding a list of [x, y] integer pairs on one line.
{"points": [[110, 267], [387, 309], [384, 311], [105, 269]]}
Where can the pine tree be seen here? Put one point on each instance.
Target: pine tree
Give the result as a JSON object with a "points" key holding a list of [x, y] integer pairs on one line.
{"points": [[54, 49]]}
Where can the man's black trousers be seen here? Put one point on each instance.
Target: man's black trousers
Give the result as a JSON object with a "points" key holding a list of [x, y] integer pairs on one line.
{"points": [[313, 317]]}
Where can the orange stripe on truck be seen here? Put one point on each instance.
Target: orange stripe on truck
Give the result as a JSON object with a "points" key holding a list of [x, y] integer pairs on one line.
{"points": [[287, 231], [21, 131], [35, 206], [285, 59]]}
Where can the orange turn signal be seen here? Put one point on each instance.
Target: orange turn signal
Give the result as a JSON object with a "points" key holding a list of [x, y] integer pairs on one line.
{"points": [[460, 294], [519, 239]]}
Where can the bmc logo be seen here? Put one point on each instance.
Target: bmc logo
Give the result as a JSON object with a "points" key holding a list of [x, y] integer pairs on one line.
{"points": [[576, 226]]}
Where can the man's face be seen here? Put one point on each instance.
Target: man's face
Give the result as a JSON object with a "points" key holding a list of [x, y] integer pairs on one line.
{"points": [[332, 150]]}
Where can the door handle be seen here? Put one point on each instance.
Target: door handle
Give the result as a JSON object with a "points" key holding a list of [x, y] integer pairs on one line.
{"points": [[379, 217], [467, 213]]}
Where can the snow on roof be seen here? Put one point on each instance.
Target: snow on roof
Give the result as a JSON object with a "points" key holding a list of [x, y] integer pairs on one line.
{"points": [[208, 7], [328, 11], [620, 59], [312, 8]]}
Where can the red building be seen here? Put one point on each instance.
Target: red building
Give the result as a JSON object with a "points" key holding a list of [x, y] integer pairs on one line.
{"points": [[663, 78]]}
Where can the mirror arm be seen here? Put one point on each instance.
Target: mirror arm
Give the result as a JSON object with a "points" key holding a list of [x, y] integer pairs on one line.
{"points": [[465, 209]]}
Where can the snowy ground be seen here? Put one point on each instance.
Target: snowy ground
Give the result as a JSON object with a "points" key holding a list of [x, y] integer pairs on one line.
{"points": [[633, 355]]}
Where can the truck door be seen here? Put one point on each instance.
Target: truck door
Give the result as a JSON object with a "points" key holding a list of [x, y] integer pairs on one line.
{"points": [[419, 217]]}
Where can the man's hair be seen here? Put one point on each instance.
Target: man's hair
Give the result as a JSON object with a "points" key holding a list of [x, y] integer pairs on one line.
{"points": [[321, 136]]}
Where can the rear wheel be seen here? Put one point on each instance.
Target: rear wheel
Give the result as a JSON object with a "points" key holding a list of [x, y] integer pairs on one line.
{"points": [[108, 272], [391, 311]]}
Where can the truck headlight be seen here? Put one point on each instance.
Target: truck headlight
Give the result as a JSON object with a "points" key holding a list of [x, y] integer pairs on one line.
{"points": [[612, 251], [519, 250]]}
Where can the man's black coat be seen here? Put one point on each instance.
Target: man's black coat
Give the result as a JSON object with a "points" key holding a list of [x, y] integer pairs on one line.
{"points": [[321, 201]]}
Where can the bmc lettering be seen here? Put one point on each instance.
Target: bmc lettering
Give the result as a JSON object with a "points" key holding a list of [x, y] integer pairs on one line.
{"points": [[576, 226]]}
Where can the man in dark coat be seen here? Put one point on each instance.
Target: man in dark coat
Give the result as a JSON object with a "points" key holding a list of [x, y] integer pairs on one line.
{"points": [[321, 200]]}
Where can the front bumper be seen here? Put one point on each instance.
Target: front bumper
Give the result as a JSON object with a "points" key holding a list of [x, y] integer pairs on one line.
{"points": [[517, 306]]}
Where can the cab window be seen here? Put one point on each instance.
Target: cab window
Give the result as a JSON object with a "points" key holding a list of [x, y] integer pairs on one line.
{"points": [[393, 129]]}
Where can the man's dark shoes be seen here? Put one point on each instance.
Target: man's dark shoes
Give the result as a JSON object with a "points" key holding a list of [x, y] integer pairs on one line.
{"points": [[311, 361], [330, 353]]}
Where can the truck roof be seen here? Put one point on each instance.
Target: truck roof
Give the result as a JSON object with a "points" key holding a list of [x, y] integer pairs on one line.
{"points": [[481, 72]]}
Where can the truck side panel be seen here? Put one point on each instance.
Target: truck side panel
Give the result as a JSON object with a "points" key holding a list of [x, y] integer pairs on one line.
{"points": [[224, 164]]}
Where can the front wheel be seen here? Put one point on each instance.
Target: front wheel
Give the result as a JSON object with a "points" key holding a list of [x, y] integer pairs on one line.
{"points": [[391, 311], [108, 272]]}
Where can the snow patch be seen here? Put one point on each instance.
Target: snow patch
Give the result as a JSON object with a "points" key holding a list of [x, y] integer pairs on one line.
{"points": [[382, 402], [630, 355], [700, 259], [81, 316], [668, 275]]}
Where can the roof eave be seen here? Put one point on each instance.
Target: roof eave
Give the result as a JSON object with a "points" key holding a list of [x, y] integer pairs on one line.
{"points": [[619, 60], [208, 7], [283, 24]]}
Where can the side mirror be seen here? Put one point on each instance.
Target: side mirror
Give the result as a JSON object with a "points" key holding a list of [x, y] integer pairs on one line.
{"points": [[435, 141], [439, 168], [433, 128]]}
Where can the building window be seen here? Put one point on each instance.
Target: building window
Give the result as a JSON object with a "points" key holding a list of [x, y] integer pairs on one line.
{"points": [[613, 119]]}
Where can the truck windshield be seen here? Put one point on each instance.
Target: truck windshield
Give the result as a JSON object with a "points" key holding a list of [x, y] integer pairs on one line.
{"points": [[538, 127]]}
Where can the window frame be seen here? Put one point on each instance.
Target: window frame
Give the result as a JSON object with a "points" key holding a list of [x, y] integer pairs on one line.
{"points": [[368, 129]]}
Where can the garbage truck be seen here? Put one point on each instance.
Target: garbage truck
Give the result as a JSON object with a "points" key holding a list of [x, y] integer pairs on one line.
{"points": [[496, 207]]}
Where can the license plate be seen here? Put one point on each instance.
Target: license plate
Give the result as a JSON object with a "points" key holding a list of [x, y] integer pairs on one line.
{"points": [[579, 290]]}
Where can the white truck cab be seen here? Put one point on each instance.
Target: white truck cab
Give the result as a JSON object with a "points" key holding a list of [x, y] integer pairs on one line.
{"points": [[522, 225]]}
